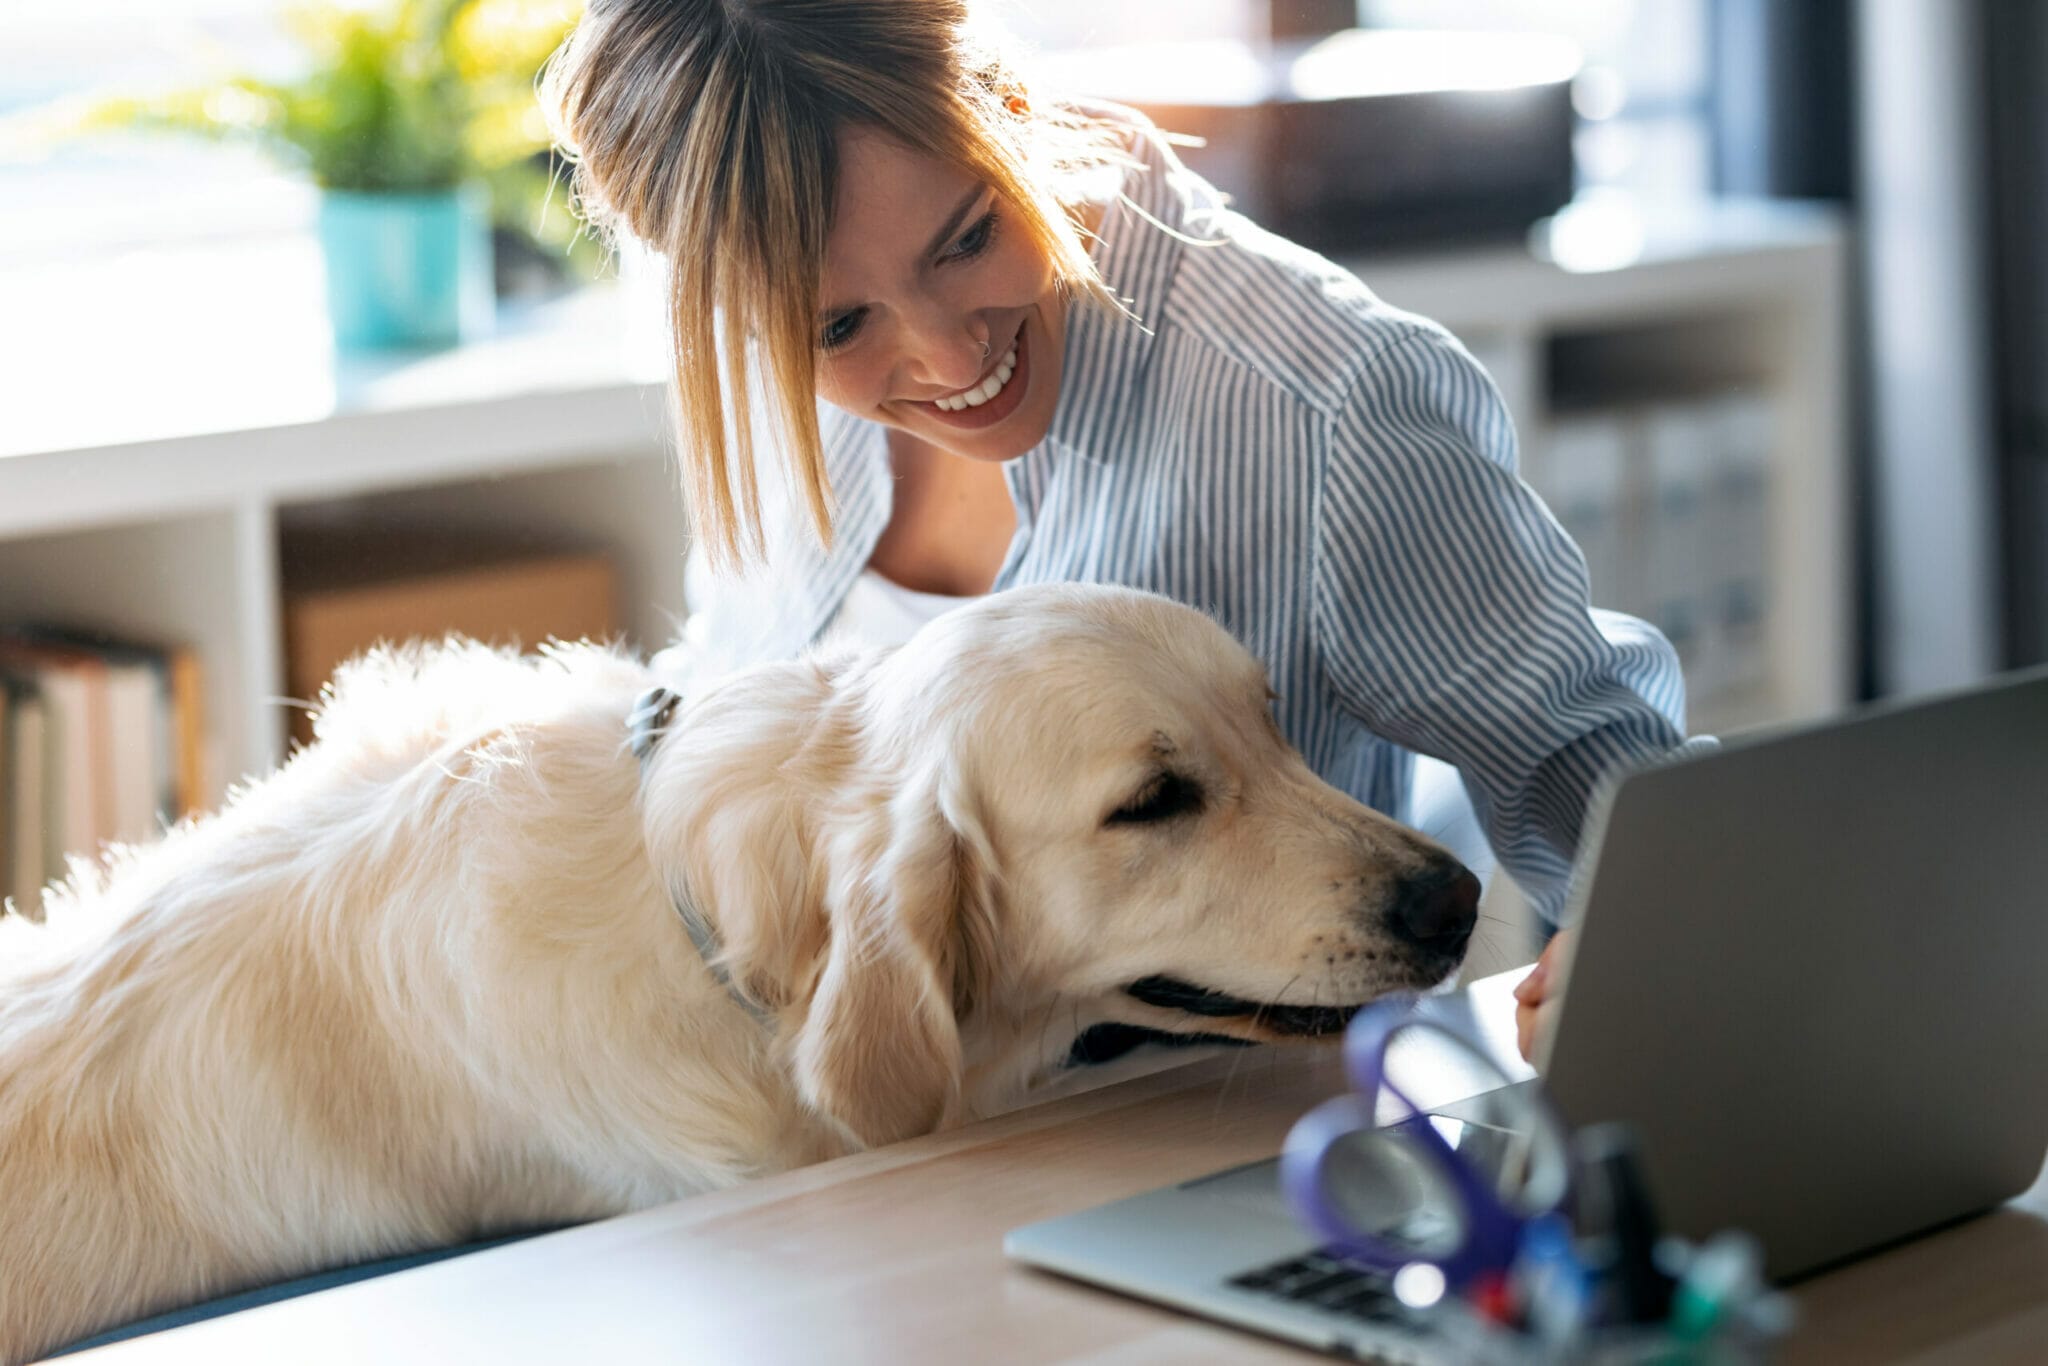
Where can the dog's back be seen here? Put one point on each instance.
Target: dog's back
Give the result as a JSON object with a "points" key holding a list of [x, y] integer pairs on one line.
{"points": [[290, 1035]]}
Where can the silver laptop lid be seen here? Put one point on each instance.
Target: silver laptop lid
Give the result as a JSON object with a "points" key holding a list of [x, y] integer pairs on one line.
{"points": [[1810, 973]]}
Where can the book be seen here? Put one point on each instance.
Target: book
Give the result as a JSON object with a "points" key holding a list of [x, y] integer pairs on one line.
{"points": [[193, 785], [1680, 441], [78, 799], [121, 747], [1739, 508], [144, 778], [1585, 473], [6, 788], [24, 828]]}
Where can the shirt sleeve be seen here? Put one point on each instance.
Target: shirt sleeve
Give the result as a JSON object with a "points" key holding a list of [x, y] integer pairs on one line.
{"points": [[1451, 612]]}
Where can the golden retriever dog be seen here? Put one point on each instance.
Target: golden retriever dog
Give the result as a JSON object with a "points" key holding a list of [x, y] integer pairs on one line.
{"points": [[437, 977]]}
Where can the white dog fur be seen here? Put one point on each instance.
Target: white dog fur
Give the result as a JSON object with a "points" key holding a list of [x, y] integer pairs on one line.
{"points": [[428, 980]]}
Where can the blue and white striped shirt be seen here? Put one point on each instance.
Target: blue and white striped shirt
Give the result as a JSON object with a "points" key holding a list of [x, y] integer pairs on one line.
{"points": [[1330, 478]]}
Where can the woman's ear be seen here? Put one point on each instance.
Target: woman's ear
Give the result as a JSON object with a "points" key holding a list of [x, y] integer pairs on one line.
{"points": [[910, 916]]}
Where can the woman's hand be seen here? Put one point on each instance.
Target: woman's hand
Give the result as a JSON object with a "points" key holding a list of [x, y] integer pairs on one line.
{"points": [[1535, 996]]}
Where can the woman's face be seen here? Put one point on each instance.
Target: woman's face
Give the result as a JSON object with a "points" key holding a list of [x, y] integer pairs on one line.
{"points": [[924, 265]]}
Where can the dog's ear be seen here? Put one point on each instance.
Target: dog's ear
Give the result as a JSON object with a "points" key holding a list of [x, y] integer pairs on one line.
{"points": [[909, 907]]}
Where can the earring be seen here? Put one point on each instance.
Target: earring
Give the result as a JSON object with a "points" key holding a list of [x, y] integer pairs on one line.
{"points": [[1017, 105]]}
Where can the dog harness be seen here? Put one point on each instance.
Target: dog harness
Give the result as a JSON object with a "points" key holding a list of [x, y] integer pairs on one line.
{"points": [[646, 723]]}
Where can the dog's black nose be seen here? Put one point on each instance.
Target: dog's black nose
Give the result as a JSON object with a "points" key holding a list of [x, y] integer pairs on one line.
{"points": [[1437, 910]]}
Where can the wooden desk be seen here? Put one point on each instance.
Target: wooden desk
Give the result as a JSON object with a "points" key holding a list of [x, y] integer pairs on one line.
{"points": [[895, 1257]]}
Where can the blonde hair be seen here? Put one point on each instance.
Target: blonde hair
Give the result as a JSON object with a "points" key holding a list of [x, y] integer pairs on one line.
{"points": [[708, 130]]}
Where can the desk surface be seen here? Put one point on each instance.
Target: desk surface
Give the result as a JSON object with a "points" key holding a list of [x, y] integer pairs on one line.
{"points": [[895, 1256]]}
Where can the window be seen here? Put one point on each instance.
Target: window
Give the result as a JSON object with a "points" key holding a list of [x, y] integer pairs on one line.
{"points": [[1643, 99], [1643, 95], [112, 190]]}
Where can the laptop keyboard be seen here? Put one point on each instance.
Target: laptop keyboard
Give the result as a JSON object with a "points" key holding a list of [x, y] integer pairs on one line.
{"points": [[1326, 1281]]}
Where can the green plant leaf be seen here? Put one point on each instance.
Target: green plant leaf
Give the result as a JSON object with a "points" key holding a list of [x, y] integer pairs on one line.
{"points": [[413, 96]]}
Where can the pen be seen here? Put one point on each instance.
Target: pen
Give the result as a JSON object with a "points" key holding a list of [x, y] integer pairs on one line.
{"points": [[1553, 1285], [1616, 1203]]}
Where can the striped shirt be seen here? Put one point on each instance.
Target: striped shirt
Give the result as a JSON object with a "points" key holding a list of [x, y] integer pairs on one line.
{"points": [[1334, 481]]}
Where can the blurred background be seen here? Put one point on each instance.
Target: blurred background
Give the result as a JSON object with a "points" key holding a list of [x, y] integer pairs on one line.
{"points": [[299, 346]]}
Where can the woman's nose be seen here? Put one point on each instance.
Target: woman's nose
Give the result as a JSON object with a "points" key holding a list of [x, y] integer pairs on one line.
{"points": [[947, 349]]}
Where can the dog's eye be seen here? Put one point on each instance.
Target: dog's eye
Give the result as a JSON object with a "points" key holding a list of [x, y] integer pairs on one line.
{"points": [[1165, 797]]}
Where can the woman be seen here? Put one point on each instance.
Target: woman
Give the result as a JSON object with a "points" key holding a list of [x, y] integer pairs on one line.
{"points": [[992, 340]]}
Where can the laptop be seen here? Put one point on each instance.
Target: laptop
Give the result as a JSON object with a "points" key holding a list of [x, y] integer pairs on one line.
{"points": [[1811, 971]]}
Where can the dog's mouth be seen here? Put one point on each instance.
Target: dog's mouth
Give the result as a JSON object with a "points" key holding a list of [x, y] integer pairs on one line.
{"points": [[1306, 1022]]}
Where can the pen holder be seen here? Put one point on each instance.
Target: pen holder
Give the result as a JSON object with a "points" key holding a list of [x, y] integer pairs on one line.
{"points": [[1546, 1239], [1717, 1312]]}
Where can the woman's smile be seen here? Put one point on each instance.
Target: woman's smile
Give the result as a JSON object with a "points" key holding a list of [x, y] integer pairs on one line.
{"points": [[990, 399]]}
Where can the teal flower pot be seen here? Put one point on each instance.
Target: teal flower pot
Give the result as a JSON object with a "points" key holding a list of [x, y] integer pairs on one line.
{"points": [[406, 270]]}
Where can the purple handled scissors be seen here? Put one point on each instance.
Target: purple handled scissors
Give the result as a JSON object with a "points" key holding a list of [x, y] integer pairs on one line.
{"points": [[1452, 1192]]}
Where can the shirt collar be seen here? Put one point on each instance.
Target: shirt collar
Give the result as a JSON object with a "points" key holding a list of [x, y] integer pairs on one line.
{"points": [[1136, 259], [1137, 252]]}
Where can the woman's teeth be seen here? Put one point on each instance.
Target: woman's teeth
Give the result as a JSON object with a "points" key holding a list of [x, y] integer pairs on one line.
{"points": [[984, 391]]}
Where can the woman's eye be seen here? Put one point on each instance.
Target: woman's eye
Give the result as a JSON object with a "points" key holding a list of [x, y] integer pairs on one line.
{"points": [[841, 330], [975, 240], [1165, 797]]}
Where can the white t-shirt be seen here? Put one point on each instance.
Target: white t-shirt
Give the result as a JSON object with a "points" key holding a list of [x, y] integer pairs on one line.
{"points": [[876, 611], [880, 611]]}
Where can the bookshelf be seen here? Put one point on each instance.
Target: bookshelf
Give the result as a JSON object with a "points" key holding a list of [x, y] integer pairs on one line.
{"points": [[1721, 327], [172, 529], [151, 468]]}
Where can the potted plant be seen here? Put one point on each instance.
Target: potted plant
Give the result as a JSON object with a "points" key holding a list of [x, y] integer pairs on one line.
{"points": [[416, 119]]}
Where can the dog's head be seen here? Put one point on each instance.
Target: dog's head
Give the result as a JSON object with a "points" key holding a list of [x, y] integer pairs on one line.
{"points": [[1056, 807]]}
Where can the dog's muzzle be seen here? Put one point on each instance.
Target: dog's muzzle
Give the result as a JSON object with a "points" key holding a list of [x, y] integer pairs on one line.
{"points": [[1170, 993]]}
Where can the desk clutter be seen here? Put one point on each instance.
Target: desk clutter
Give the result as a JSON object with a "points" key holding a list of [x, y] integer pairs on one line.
{"points": [[100, 740], [1492, 1229], [1609, 1291]]}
